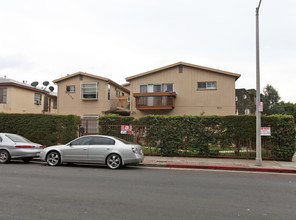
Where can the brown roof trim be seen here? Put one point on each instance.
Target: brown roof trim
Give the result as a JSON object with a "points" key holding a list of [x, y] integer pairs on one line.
{"points": [[126, 84], [24, 87], [92, 76], [119, 86], [77, 74], [184, 64]]}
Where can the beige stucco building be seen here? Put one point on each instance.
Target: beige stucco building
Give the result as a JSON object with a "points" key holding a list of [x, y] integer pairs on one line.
{"points": [[90, 96], [183, 89], [17, 97]]}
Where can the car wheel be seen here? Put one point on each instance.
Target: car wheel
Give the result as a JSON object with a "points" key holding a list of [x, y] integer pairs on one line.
{"points": [[114, 161], [27, 159], [53, 158], [4, 156]]}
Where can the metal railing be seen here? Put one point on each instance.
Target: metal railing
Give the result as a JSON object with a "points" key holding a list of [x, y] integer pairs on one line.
{"points": [[156, 100], [90, 126]]}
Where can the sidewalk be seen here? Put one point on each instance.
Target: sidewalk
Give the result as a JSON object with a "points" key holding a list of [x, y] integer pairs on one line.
{"points": [[221, 164]]}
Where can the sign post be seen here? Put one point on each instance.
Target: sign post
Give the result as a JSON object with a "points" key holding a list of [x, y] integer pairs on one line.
{"points": [[258, 113]]}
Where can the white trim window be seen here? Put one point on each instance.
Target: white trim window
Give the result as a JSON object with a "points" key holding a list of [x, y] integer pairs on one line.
{"points": [[89, 91], [3, 95], [206, 85], [37, 98]]}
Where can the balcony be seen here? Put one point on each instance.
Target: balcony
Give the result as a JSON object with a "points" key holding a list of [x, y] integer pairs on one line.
{"points": [[120, 101], [120, 105], [155, 100]]}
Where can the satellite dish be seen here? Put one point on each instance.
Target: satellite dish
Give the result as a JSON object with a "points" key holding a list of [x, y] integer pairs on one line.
{"points": [[51, 88], [45, 83], [34, 84]]}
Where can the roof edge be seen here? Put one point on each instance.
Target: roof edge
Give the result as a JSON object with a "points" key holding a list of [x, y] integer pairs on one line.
{"points": [[77, 74], [24, 87], [91, 76], [185, 64]]}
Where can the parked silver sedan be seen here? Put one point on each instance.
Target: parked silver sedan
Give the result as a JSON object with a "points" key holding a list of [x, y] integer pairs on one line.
{"points": [[15, 146], [112, 151]]}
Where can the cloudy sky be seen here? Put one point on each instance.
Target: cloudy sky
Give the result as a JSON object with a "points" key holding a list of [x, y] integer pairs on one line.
{"points": [[45, 40]]}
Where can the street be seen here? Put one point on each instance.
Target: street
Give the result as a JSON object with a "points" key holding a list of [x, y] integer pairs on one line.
{"points": [[37, 191]]}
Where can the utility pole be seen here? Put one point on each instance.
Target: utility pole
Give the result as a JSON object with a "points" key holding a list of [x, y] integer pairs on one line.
{"points": [[258, 113]]}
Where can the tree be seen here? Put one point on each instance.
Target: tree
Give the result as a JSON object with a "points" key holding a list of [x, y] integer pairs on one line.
{"points": [[271, 100], [289, 108]]}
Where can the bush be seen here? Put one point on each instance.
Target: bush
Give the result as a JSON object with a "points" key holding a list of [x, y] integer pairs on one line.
{"points": [[176, 135], [44, 129]]}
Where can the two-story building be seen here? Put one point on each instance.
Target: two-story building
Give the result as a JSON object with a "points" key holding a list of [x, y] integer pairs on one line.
{"points": [[89, 95], [18, 97], [182, 89]]}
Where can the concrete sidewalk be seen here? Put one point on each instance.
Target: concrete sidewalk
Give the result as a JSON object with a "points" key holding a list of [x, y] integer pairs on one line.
{"points": [[221, 164]]}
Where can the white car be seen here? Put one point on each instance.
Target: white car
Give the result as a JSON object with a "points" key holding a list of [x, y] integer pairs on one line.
{"points": [[15, 146], [112, 151]]}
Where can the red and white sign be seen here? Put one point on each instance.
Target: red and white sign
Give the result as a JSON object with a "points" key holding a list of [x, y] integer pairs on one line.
{"points": [[265, 131], [126, 129], [260, 106]]}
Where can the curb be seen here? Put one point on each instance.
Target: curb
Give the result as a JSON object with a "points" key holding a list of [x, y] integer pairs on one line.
{"points": [[272, 170]]}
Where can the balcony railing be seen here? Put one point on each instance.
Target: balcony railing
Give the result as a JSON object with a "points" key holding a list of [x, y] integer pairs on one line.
{"points": [[155, 100]]}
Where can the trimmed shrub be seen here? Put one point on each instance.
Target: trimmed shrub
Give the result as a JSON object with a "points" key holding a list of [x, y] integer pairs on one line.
{"points": [[44, 129], [177, 135]]}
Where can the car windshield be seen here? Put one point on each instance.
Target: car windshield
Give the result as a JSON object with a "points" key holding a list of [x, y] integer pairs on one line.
{"points": [[122, 140], [17, 138]]}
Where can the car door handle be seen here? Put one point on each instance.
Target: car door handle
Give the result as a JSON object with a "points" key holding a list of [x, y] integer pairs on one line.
{"points": [[84, 148], [108, 148]]}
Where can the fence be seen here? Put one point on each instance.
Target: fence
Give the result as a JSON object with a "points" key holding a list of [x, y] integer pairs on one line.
{"points": [[90, 126], [238, 149], [137, 136]]}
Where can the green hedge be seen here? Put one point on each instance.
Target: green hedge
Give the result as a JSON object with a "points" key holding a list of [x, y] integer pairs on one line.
{"points": [[114, 119], [44, 129], [177, 135]]}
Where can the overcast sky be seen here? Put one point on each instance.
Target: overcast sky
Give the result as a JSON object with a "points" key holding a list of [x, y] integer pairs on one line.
{"points": [[45, 40]]}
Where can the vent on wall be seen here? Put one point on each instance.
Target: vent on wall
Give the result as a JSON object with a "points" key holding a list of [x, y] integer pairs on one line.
{"points": [[180, 68]]}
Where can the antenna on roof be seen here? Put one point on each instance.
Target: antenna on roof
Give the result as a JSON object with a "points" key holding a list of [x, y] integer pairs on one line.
{"points": [[34, 84]]}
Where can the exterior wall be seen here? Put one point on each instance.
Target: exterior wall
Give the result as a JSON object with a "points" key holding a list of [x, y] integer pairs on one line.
{"points": [[21, 100], [127, 86], [190, 100], [71, 102]]}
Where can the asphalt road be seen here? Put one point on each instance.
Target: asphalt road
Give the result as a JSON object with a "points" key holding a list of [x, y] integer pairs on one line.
{"points": [[36, 191]]}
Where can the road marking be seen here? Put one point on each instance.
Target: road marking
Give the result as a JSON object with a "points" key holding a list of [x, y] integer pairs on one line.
{"points": [[228, 171]]}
